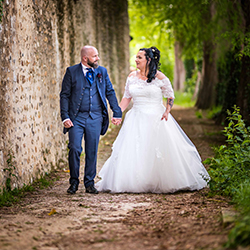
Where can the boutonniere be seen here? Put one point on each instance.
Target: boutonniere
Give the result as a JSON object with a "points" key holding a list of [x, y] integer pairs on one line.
{"points": [[99, 76]]}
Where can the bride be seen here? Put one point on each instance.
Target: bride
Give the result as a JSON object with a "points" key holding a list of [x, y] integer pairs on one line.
{"points": [[151, 152]]}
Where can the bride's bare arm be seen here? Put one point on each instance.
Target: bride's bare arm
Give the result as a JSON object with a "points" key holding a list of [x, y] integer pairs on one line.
{"points": [[124, 103]]}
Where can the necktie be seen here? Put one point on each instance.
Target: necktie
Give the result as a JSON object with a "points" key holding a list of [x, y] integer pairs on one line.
{"points": [[90, 76]]}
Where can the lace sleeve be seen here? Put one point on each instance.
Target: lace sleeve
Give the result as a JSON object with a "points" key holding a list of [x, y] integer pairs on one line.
{"points": [[127, 93], [166, 88]]}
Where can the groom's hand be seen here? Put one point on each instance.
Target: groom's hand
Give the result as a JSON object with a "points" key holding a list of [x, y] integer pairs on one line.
{"points": [[68, 123], [116, 121]]}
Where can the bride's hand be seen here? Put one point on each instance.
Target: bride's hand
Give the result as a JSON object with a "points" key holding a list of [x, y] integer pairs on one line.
{"points": [[165, 115], [116, 121]]}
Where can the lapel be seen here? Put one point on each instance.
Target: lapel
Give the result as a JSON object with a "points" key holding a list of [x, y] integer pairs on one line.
{"points": [[96, 71], [99, 85]]}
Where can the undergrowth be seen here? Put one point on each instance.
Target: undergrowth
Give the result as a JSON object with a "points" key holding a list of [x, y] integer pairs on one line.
{"points": [[214, 112], [9, 197], [229, 170]]}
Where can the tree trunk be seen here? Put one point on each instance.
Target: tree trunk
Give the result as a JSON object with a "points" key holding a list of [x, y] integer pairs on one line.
{"points": [[197, 84], [209, 78], [179, 69], [243, 96], [244, 89], [229, 75]]}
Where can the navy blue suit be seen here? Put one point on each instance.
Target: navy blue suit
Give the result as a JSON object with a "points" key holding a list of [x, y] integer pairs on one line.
{"points": [[85, 105]]}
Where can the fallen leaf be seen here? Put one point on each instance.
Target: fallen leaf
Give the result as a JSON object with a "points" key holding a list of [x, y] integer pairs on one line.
{"points": [[53, 211]]}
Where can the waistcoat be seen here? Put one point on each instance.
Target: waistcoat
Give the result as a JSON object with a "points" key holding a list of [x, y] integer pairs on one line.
{"points": [[91, 104]]}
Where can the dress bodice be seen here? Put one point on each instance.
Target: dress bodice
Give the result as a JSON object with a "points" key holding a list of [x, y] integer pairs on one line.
{"points": [[146, 95]]}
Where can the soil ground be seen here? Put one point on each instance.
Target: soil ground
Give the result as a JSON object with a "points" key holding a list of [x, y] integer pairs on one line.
{"points": [[50, 219]]}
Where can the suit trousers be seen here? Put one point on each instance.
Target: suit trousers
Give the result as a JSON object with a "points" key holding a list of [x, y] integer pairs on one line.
{"points": [[90, 129]]}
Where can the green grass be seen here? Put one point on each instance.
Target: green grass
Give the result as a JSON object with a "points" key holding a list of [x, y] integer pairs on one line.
{"points": [[8, 198], [213, 112], [184, 99], [45, 181]]}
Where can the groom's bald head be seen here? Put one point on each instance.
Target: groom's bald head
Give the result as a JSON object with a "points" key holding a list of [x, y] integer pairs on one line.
{"points": [[89, 56], [87, 49]]}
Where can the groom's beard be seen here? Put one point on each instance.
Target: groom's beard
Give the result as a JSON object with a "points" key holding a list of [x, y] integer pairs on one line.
{"points": [[92, 64]]}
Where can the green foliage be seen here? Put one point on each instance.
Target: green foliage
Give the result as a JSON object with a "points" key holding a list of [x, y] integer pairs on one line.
{"points": [[230, 174], [44, 182], [229, 69], [242, 197], [230, 29], [190, 82], [233, 51], [231, 164], [7, 198], [193, 68], [198, 114], [9, 170], [189, 67], [185, 21], [239, 235], [147, 31], [214, 112]]}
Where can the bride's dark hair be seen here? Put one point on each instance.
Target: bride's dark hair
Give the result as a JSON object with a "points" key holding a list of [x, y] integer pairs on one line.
{"points": [[152, 55]]}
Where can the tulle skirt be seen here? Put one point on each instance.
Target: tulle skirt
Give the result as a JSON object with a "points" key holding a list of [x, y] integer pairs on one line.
{"points": [[152, 155]]}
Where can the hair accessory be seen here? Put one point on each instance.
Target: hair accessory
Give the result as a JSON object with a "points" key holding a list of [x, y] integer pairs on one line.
{"points": [[153, 50], [155, 57]]}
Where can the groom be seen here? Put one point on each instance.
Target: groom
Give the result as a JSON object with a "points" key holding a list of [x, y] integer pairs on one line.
{"points": [[84, 112]]}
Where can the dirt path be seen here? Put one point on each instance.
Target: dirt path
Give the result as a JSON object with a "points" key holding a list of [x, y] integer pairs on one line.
{"points": [[185, 220]]}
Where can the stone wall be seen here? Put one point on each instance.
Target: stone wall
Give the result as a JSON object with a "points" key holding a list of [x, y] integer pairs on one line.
{"points": [[38, 40]]}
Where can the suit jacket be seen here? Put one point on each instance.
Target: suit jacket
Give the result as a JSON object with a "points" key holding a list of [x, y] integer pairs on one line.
{"points": [[73, 86]]}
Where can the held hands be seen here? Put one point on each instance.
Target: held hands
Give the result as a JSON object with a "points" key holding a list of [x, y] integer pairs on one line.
{"points": [[165, 115], [68, 124], [116, 121]]}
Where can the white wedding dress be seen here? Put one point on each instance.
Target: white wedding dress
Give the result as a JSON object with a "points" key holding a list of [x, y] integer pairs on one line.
{"points": [[150, 154]]}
